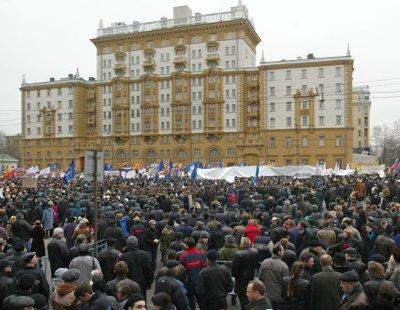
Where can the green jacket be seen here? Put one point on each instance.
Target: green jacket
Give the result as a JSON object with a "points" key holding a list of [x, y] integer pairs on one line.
{"points": [[227, 252]]}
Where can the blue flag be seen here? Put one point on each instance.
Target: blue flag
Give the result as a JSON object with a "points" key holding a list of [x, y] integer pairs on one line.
{"points": [[160, 166], [170, 166], [194, 172], [54, 166], [69, 174], [107, 167], [257, 173]]}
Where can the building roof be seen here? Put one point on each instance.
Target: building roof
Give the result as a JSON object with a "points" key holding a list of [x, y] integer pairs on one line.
{"points": [[304, 61], [7, 158]]}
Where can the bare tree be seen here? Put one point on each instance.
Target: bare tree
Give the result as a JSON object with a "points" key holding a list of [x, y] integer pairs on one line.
{"points": [[385, 141]]}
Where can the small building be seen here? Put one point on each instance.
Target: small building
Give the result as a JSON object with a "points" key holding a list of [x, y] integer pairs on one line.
{"points": [[7, 161]]}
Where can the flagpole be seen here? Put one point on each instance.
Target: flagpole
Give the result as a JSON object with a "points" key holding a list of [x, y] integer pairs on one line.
{"points": [[95, 203]]}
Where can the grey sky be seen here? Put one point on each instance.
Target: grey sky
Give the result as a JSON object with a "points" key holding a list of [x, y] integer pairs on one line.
{"points": [[50, 38]]}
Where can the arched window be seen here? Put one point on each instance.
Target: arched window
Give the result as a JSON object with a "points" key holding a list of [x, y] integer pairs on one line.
{"points": [[181, 154], [151, 154], [214, 153]]}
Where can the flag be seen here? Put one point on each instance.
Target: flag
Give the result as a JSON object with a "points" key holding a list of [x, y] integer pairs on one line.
{"points": [[257, 173], [31, 170], [395, 167], [348, 167], [336, 167], [160, 166], [45, 171], [69, 173], [169, 171], [107, 167], [54, 166], [318, 169], [194, 172]]}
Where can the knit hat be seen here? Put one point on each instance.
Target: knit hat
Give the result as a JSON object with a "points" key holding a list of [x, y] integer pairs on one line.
{"points": [[20, 302], [59, 272], [212, 255], [230, 239], [132, 242], [27, 257], [171, 263]]}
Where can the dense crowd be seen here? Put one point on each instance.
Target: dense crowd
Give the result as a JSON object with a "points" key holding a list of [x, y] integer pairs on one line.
{"points": [[274, 243]]}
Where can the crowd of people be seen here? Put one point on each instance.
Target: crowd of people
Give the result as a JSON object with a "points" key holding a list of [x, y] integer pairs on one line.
{"points": [[274, 243]]}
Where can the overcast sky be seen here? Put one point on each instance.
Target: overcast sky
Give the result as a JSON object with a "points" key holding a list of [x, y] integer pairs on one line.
{"points": [[50, 38]]}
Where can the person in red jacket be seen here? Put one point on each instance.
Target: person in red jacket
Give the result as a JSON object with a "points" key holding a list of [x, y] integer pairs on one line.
{"points": [[252, 230]]}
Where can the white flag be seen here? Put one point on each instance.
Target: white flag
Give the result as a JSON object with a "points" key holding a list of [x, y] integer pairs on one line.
{"points": [[45, 171]]}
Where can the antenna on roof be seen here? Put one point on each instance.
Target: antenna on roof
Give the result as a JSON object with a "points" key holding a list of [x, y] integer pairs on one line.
{"points": [[23, 79], [77, 72], [101, 24], [262, 56], [348, 49]]}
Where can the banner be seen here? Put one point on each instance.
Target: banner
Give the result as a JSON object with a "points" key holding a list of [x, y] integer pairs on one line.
{"points": [[29, 182]]}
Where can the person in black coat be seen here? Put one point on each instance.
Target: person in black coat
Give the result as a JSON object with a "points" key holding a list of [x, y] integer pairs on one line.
{"points": [[214, 283], [295, 290], [31, 262], [173, 287], [38, 235], [244, 264], [57, 250], [139, 265], [107, 259]]}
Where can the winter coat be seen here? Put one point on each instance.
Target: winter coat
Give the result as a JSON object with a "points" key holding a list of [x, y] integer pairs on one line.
{"points": [[58, 254], [214, 283], [300, 298], [244, 264], [327, 236], [355, 300], [166, 237], [371, 288], [107, 259], [385, 246], [325, 286], [261, 304], [272, 272], [48, 218], [252, 231], [38, 241], [175, 289], [139, 266], [43, 286], [85, 264], [69, 229], [21, 229]]}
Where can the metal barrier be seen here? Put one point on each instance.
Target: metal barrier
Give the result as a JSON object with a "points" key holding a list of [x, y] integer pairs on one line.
{"points": [[101, 245]]}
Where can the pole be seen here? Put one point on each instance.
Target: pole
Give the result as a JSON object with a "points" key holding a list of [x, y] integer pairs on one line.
{"points": [[95, 203]]}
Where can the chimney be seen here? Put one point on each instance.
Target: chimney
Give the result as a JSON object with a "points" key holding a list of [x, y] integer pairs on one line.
{"points": [[92, 79], [52, 79], [310, 56], [70, 76]]}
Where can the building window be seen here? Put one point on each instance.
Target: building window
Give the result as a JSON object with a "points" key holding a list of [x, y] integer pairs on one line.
{"points": [[304, 120], [304, 142], [272, 76], [272, 107], [304, 105], [338, 141], [272, 142], [304, 162], [304, 89], [321, 120], [338, 71], [338, 87], [303, 73], [288, 90], [70, 104], [70, 129], [231, 152], [321, 104], [321, 141], [338, 104], [272, 91], [288, 121], [288, 142], [288, 162], [59, 92], [338, 119], [272, 122], [70, 116], [288, 74], [321, 72]]}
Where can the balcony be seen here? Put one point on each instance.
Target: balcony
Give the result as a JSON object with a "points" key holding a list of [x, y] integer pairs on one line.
{"points": [[212, 57], [253, 83], [253, 113], [120, 66], [212, 44], [180, 60], [148, 64], [91, 95], [211, 86]]}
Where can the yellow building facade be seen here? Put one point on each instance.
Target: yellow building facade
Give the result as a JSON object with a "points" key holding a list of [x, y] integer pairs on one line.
{"points": [[190, 93]]}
